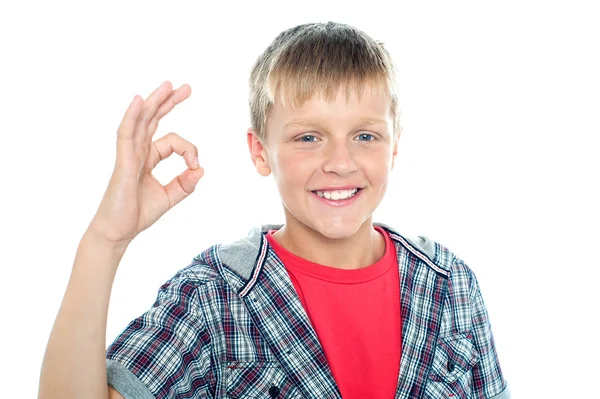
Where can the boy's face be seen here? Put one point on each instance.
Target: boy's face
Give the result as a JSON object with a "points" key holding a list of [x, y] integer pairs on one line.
{"points": [[325, 145]]}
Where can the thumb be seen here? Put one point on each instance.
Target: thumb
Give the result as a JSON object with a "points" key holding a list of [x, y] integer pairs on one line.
{"points": [[183, 185]]}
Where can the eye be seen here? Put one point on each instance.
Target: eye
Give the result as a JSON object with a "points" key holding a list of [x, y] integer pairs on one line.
{"points": [[301, 139], [307, 138], [368, 135]]}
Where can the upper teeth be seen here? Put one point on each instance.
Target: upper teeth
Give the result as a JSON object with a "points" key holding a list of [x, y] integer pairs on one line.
{"points": [[337, 194]]}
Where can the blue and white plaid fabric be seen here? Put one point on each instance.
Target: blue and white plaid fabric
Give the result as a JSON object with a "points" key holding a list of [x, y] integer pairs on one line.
{"points": [[230, 325]]}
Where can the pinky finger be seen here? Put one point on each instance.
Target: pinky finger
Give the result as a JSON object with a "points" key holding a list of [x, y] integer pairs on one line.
{"points": [[130, 118]]}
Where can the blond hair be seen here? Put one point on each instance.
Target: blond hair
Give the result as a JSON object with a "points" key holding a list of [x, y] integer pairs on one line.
{"points": [[320, 58]]}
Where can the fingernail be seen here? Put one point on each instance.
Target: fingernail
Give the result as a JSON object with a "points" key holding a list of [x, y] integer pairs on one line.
{"points": [[196, 161]]}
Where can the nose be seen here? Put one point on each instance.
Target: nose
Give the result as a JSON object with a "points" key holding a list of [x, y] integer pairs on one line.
{"points": [[338, 158]]}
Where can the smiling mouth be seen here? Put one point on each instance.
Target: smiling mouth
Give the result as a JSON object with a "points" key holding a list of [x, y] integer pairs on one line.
{"points": [[337, 195]]}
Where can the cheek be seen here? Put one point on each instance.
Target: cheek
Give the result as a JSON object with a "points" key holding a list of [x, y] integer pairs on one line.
{"points": [[291, 171], [294, 161], [378, 173], [380, 161]]}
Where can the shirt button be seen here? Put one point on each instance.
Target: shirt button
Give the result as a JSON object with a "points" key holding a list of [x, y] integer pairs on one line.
{"points": [[450, 366], [273, 391]]}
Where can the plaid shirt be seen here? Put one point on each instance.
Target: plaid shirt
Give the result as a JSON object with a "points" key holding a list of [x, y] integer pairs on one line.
{"points": [[230, 325]]}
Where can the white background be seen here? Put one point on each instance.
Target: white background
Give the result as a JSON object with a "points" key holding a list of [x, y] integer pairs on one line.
{"points": [[498, 160]]}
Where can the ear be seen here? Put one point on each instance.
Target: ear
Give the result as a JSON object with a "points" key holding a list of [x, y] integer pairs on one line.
{"points": [[395, 150], [258, 153]]}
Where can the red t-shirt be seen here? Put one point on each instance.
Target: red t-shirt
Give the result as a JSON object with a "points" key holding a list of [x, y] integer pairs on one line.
{"points": [[356, 315]]}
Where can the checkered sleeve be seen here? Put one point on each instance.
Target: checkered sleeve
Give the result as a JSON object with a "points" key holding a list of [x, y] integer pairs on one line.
{"points": [[164, 353], [488, 381]]}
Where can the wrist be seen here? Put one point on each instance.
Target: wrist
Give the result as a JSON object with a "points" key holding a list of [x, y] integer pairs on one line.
{"points": [[92, 237]]}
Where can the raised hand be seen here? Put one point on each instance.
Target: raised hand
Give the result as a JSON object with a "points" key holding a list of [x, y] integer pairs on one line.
{"points": [[135, 199]]}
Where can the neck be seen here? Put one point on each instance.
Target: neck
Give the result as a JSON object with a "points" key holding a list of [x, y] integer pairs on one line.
{"points": [[362, 249]]}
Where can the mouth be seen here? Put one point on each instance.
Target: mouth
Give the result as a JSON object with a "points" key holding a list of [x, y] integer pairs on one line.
{"points": [[338, 197]]}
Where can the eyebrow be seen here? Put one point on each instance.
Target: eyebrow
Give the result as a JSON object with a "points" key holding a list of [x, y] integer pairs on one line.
{"points": [[306, 122]]}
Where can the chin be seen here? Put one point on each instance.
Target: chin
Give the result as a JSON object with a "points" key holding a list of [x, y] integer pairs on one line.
{"points": [[338, 230]]}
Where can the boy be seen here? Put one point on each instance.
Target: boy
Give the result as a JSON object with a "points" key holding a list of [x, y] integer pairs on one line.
{"points": [[329, 304]]}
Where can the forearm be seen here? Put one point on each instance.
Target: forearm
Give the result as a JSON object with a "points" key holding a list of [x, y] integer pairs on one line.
{"points": [[74, 364]]}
